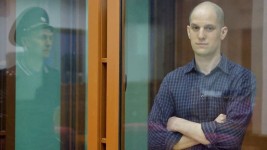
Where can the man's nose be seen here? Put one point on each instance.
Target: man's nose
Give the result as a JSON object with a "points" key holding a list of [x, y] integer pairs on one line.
{"points": [[48, 41], [201, 34]]}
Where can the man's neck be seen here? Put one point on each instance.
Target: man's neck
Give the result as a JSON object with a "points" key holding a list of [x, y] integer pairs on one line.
{"points": [[207, 64], [34, 63]]}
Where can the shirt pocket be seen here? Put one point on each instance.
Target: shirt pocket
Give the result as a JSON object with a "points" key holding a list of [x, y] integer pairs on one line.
{"points": [[216, 105]]}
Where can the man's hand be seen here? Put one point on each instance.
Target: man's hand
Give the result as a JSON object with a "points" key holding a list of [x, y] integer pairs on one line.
{"points": [[221, 118]]}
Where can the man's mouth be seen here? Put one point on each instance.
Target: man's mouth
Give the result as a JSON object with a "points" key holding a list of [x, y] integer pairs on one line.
{"points": [[201, 44], [46, 51]]}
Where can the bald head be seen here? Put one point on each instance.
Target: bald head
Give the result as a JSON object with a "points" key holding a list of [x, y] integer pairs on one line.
{"points": [[211, 6]]}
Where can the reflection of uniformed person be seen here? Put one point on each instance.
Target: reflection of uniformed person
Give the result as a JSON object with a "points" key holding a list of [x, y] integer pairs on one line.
{"points": [[32, 32], [37, 85]]}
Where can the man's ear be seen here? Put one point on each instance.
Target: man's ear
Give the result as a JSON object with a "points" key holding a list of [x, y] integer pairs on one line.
{"points": [[224, 31], [188, 31]]}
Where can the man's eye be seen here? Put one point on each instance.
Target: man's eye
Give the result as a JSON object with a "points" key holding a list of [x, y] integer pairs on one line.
{"points": [[43, 37], [209, 28], [195, 28]]}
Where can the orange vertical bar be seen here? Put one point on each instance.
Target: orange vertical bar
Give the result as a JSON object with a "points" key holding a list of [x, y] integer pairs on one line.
{"points": [[104, 33], [113, 78], [94, 87]]}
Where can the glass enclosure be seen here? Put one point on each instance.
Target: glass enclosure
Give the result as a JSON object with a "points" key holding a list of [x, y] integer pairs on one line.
{"points": [[43, 74], [156, 43], [43, 46]]}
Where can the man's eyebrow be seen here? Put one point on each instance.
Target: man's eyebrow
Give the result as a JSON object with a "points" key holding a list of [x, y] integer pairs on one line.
{"points": [[210, 25], [193, 24]]}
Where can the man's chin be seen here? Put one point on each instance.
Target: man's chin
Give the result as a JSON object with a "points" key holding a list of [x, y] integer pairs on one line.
{"points": [[46, 54], [201, 52]]}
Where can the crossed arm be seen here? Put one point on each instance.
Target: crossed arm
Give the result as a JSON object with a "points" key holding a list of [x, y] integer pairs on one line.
{"points": [[192, 132], [227, 134]]}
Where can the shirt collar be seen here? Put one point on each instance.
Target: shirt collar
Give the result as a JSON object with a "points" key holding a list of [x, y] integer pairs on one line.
{"points": [[190, 67], [222, 65]]}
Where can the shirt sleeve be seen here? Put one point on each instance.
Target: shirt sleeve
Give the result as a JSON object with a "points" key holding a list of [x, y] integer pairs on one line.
{"points": [[159, 138], [229, 135]]}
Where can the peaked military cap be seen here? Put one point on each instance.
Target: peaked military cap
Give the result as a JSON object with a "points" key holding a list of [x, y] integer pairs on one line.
{"points": [[29, 19]]}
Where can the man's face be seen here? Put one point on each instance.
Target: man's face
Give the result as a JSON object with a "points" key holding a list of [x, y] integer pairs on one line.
{"points": [[39, 42], [205, 32]]}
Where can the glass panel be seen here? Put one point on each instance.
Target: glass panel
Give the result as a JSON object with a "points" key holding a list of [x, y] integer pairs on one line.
{"points": [[137, 70], [156, 42], [43, 74]]}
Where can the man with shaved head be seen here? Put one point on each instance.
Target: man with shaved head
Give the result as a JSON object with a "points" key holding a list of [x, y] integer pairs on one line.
{"points": [[208, 103]]}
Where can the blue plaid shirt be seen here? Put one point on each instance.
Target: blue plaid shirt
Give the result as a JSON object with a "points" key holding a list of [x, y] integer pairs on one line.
{"points": [[186, 93]]}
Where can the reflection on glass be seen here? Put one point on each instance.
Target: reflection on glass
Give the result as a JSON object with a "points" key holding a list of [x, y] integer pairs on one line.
{"points": [[37, 84], [137, 70], [49, 75]]}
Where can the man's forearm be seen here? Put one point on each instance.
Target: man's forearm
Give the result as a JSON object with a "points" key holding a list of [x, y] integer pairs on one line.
{"points": [[192, 130], [188, 128], [185, 142]]}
